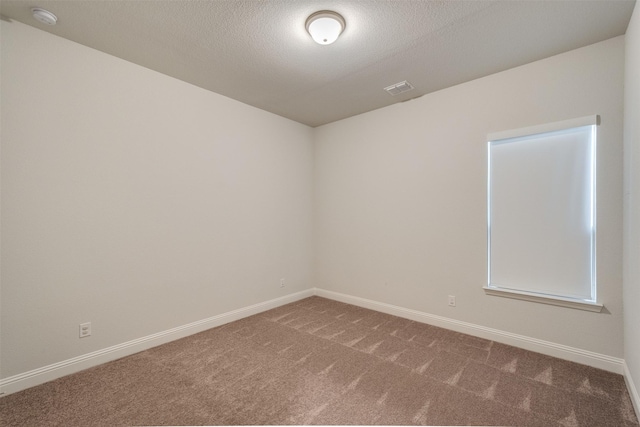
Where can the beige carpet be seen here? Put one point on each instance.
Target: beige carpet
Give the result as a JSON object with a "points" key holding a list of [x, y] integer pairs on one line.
{"points": [[319, 361]]}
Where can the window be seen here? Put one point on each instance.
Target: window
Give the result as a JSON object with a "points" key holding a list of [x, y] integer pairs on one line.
{"points": [[541, 213]]}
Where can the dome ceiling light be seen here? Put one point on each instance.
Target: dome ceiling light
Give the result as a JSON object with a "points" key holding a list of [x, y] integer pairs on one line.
{"points": [[325, 26]]}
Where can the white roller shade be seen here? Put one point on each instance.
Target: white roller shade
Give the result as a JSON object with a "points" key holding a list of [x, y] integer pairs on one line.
{"points": [[542, 209]]}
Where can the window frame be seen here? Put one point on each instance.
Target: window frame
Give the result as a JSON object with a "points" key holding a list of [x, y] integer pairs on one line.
{"points": [[494, 139]]}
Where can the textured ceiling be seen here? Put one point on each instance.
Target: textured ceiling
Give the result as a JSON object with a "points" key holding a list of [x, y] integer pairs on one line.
{"points": [[258, 52]]}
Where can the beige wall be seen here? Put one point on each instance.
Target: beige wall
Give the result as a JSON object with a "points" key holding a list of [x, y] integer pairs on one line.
{"points": [[136, 201], [401, 197], [632, 202], [142, 203]]}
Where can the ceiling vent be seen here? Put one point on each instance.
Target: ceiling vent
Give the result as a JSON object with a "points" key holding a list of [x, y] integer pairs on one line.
{"points": [[397, 88]]}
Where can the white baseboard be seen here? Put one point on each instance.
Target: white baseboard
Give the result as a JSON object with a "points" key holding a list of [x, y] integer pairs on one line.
{"points": [[47, 373], [633, 391], [601, 361]]}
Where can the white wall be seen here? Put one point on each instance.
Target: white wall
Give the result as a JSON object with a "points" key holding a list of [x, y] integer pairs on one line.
{"points": [[136, 201], [401, 197], [141, 203], [632, 203]]}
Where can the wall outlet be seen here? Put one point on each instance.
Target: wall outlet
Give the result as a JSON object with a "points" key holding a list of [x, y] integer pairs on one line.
{"points": [[85, 329], [282, 282], [452, 300]]}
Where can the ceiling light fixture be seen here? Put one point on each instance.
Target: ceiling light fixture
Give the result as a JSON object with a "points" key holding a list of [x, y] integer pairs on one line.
{"points": [[44, 16], [325, 26]]}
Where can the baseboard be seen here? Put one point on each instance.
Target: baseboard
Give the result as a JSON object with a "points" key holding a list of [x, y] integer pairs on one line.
{"points": [[47, 373], [633, 390], [560, 351]]}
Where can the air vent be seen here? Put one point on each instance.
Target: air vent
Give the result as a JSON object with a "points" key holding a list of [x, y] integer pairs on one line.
{"points": [[397, 88]]}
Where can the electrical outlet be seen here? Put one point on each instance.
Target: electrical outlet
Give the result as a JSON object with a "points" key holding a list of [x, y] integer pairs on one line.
{"points": [[85, 329], [282, 282], [452, 300]]}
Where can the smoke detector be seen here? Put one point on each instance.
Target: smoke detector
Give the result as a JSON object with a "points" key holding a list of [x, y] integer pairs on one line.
{"points": [[44, 16], [399, 88]]}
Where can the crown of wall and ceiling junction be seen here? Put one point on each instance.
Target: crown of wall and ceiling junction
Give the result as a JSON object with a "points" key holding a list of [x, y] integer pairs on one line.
{"points": [[259, 53]]}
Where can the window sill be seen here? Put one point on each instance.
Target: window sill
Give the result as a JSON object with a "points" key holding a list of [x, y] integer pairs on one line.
{"points": [[544, 299]]}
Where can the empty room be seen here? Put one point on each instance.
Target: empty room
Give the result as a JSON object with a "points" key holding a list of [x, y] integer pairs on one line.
{"points": [[367, 212]]}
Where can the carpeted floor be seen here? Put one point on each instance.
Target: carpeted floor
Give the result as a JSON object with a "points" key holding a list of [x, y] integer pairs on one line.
{"points": [[319, 361]]}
